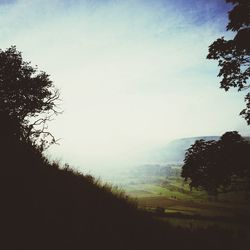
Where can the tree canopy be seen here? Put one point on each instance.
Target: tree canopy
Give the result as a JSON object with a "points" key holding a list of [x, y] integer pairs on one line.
{"points": [[218, 165], [233, 55], [28, 98]]}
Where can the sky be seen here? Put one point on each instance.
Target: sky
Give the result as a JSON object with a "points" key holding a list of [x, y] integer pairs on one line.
{"points": [[133, 74]]}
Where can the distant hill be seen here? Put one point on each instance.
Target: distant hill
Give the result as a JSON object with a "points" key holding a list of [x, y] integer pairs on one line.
{"points": [[169, 159], [174, 151]]}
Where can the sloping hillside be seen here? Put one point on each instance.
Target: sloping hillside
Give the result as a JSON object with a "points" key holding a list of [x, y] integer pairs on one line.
{"points": [[46, 207]]}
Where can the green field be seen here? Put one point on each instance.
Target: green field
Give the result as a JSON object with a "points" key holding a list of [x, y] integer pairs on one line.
{"points": [[184, 208]]}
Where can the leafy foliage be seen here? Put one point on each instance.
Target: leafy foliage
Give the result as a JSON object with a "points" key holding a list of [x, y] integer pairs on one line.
{"points": [[218, 165], [239, 17], [233, 55], [27, 97]]}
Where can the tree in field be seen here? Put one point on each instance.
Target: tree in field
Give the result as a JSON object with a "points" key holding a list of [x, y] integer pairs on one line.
{"points": [[234, 153], [200, 166], [218, 165], [234, 55], [28, 99]]}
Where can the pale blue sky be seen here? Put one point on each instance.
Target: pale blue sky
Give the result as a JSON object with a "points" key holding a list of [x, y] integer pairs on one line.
{"points": [[132, 74]]}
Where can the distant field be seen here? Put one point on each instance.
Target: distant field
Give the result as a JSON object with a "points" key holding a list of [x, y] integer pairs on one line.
{"points": [[193, 209]]}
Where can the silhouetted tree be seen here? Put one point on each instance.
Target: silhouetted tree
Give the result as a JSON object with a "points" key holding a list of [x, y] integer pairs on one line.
{"points": [[233, 155], [218, 165], [234, 55], [200, 165], [27, 97]]}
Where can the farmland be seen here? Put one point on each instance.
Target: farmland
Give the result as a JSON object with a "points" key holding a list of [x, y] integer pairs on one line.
{"points": [[161, 191]]}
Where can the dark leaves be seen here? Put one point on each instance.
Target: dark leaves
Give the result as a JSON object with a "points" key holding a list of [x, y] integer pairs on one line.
{"points": [[233, 55], [239, 16], [213, 165], [26, 93]]}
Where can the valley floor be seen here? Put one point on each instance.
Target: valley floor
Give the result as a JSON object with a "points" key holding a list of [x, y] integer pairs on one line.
{"points": [[172, 201]]}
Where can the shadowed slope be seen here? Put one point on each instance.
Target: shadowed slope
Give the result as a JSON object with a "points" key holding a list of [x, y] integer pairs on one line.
{"points": [[45, 207]]}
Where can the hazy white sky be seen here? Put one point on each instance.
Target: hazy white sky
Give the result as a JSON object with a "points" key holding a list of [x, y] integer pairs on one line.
{"points": [[133, 74]]}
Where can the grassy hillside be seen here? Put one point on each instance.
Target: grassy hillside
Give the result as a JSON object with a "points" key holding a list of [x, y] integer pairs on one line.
{"points": [[47, 207]]}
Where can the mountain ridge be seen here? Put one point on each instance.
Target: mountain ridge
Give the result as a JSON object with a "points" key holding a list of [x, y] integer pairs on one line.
{"points": [[174, 151]]}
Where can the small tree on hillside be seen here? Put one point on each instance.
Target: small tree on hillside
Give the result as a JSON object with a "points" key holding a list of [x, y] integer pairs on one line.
{"points": [[218, 165], [234, 55], [28, 98]]}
